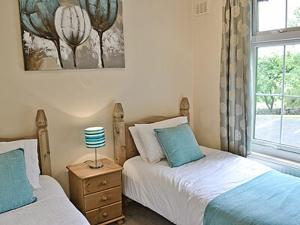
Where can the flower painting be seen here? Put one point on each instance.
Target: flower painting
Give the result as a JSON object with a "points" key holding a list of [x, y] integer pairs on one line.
{"points": [[72, 34]]}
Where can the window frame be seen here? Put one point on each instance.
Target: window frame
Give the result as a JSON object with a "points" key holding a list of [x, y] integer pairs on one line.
{"points": [[280, 37], [287, 33]]}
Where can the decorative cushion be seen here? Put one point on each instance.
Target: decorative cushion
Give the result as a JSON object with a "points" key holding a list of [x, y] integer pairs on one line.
{"points": [[179, 145], [152, 148], [15, 189], [31, 158]]}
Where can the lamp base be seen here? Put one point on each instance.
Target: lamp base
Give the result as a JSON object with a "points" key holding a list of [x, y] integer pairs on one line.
{"points": [[96, 165]]}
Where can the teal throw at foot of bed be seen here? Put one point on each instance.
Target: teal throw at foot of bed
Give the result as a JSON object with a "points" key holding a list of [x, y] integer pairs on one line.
{"points": [[270, 199]]}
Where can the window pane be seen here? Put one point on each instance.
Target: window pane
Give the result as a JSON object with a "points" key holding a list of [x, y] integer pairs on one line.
{"points": [[269, 70], [292, 77], [291, 122], [293, 13], [271, 14], [267, 123]]}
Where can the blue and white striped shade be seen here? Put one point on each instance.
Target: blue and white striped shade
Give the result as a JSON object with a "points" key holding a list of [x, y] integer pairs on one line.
{"points": [[94, 137]]}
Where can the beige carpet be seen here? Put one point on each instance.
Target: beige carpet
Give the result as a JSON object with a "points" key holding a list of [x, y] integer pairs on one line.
{"points": [[137, 214]]}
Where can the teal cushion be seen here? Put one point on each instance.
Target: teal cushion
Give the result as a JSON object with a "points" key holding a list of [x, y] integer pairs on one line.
{"points": [[15, 189], [179, 145]]}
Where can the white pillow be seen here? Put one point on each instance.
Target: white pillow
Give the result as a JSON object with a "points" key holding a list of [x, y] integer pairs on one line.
{"points": [[31, 158], [151, 147], [138, 143]]}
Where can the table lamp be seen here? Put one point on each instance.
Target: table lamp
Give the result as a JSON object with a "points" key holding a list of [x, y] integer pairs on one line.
{"points": [[94, 139]]}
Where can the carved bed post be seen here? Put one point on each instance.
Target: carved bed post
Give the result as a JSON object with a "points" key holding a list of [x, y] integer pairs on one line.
{"points": [[119, 134], [185, 107], [43, 142]]}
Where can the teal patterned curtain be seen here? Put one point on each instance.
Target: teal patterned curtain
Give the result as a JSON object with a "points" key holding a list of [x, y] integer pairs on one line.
{"points": [[235, 76]]}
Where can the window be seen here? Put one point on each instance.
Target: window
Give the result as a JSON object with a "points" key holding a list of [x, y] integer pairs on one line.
{"points": [[276, 70]]}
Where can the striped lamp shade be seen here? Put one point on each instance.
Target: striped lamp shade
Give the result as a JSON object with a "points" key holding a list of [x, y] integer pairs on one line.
{"points": [[94, 137]]}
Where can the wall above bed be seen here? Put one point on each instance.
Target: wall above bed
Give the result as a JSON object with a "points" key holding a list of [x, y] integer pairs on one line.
{"points": [[159, 71], [207, 47]]}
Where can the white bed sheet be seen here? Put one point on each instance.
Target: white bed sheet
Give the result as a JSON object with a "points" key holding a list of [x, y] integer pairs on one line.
{"points": [[52, 208], [182, 194]]}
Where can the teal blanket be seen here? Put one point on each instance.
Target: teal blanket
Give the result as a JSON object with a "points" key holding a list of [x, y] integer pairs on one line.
{"points": [[270, 199]]}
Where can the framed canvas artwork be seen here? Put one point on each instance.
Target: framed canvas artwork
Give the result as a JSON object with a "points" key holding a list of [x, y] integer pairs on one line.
{"points": [[72, 34]]}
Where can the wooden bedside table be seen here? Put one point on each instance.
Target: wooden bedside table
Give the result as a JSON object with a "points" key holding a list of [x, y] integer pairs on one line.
{"points": [[97, 193]]}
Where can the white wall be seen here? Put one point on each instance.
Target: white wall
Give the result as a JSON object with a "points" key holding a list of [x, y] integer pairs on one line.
{"points": [[207, 45], [159, 70]]}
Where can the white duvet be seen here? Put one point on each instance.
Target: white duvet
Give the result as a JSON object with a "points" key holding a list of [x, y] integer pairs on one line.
{"points": [[52, 208], [182, 194]]}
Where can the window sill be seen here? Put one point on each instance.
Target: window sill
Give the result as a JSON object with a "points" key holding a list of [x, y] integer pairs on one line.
{"points": [[282, 165], [276, 152]]}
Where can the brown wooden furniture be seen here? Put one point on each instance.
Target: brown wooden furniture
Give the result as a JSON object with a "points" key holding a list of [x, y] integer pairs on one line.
{"points": [[124, 144], [97, 193], [43, 142]]}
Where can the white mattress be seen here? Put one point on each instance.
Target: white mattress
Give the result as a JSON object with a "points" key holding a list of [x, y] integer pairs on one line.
{"points": [[182, 194], [52, 208]]}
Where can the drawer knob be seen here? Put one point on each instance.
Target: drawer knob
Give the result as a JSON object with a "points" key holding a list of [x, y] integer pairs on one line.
{"points": [[104, 198], [104, 182], [105, 214]]}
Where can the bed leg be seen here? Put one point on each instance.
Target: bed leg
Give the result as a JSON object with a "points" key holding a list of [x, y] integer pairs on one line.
{"points": [[126, 202]]}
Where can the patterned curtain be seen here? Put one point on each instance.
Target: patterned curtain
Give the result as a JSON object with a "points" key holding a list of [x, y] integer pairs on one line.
{"points": [[235, 76]]}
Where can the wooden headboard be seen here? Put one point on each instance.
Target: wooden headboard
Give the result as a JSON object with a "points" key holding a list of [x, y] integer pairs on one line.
{"points": [[43, 142], [123, 143]]}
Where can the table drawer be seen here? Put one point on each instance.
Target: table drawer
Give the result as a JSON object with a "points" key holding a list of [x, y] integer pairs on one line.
{"points": [[105, 213], [103, 198], [100, 183]]}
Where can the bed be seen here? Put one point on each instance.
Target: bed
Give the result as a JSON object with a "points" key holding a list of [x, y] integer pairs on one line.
{"points": [[186, 190], [52, 206], [220, 189]]}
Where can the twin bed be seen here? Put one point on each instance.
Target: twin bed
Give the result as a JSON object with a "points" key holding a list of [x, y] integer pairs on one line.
{"points": [[52, 206], [220, 189], [182, 194]]}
